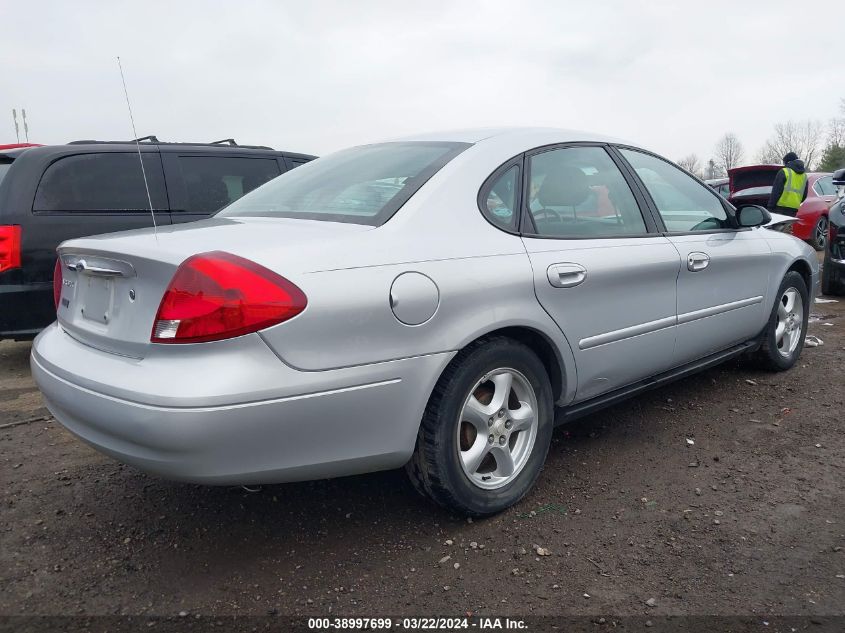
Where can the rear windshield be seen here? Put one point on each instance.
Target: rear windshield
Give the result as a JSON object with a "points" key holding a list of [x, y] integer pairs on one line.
{"points": [[361, 185]]}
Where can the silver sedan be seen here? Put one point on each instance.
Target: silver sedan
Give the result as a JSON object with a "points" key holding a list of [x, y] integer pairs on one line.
{"points": [[438, 302]]}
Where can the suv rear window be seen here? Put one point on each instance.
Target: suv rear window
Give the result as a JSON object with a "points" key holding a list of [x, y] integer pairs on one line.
{"points": [[361, 185], [212, 182], [4, 167], [101, 182]]}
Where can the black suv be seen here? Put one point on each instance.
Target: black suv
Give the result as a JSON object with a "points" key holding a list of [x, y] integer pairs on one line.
{"points": [[53, 193]]}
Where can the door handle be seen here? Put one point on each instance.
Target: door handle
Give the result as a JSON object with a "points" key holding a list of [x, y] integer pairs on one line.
{"points": [[566, 275], [697, 262]]}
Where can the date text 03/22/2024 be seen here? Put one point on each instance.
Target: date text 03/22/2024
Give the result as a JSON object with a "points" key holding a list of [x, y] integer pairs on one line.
{"points": [[419, 624]]}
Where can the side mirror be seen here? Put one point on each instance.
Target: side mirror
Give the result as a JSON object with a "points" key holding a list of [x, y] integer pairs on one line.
{"points": [[750, 215]]}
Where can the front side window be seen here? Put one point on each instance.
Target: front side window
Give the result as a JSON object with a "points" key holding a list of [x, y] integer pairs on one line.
{"points": [[683, 203], [580, 192], [212, 182], [361, 185], [107, 181]]}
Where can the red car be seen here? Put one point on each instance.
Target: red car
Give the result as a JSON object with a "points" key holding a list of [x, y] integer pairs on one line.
{"points": [[18, 145], [753, 185]]}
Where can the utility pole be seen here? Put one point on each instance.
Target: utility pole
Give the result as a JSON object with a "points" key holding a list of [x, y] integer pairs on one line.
{"points": [[25, 126], [17, 130]]}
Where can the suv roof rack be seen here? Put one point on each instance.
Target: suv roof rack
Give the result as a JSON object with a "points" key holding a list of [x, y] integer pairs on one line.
{"points": [[152, 138]]}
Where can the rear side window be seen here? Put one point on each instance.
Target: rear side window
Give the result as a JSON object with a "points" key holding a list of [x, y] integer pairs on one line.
{"points": [[212, 182], [580, 192], [824, 186], [101, 182], [499, 199]]}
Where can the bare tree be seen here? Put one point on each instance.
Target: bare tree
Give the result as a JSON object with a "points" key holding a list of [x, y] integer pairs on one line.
{"points": [[729, 151], [802, 137], [692, 164], [836, 128], [836, 132]]}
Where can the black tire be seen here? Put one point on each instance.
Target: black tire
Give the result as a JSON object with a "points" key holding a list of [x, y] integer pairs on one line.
{"points": [[818, 238], [832, 282], [435, 468], [769, 356]]}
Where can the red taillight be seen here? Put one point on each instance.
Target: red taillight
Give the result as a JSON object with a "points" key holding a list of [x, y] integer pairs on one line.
{"points": [[57, 282], [217, 295], [10, 247]]}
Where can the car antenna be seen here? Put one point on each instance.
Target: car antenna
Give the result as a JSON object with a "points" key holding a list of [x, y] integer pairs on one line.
{"points": [[138, 147]]}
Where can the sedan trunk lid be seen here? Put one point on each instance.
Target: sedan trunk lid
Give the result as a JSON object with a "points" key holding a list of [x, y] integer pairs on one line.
{"points": [[112, 284]]}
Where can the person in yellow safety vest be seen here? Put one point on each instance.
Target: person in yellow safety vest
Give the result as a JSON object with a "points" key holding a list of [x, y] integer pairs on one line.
{"points": [[790, 187]]}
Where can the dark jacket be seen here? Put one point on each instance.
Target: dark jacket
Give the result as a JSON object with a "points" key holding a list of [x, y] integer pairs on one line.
{"points": [[780, 180]]}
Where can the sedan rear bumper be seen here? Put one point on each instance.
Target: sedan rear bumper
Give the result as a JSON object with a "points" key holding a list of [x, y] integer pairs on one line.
{"points": [[300, 433]]}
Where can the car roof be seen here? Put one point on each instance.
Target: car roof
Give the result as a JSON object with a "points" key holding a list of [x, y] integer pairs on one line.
{"points": [[477, 135], [85, 147]]}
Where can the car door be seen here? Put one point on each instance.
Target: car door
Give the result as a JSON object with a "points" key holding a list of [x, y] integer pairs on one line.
{"points": [[600, 269], [725, 270], [202, 183]]}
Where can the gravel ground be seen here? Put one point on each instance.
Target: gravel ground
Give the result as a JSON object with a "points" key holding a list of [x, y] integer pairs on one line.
{"points": [[720, 494]]}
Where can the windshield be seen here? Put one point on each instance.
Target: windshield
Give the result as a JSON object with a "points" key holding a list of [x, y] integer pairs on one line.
{"points": [[362, 185]]}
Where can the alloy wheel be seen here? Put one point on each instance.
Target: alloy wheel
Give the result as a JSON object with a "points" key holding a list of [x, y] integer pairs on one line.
{"points": [[820, 236], [790, 322], [497, 428]]}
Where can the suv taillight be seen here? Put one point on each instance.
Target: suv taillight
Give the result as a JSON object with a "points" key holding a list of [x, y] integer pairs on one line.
{"points": [[218, 295], [10, 247], [57, 282]]}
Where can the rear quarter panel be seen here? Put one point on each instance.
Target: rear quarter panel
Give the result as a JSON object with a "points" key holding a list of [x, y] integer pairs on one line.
{"points": [[483, 275]]}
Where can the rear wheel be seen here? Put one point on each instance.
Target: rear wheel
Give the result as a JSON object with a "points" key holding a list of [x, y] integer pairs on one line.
{"points": [[784, 336], [486, 429], [818, 238]]}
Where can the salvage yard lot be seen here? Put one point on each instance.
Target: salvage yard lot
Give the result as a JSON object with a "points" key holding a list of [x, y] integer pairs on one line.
{"points": [[720, 494]]}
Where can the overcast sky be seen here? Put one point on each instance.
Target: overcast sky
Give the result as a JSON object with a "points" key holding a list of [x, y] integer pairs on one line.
{"points": [[316, 76]]}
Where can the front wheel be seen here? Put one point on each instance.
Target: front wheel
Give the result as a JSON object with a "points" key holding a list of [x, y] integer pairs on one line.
{"points": [[783, 339], [486, 429], [818, 239]]}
